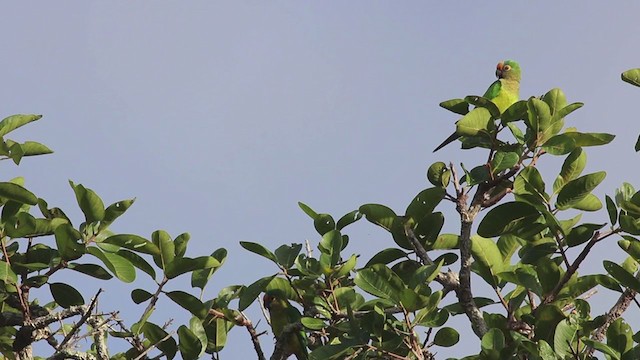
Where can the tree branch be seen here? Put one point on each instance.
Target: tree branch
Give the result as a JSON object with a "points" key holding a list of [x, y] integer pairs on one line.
{"points": [[82, 320], [614, 313], [574, 266], [243, 320]]}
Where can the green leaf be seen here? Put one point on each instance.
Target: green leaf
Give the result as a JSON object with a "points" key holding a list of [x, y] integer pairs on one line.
{"points": [[379, 215], [486, 252], [93, 270], [188, 302], [348, 219], [547, 318], [13, 122], [582, 233], [623, 276], [184, 265], [189, 344], [563, 112], [576, 190], [631, 245], [388, 220], [529, 185], [379, 280], [331, 244], [113, 211], [118, 265], [180, 243], [428, 228], [546, 352], [346, 267], [589, 203], [196, 326], [477, 121], [629, 224], [564, 340], [548, 274], [619, 336], [626, 198], [411, 301], [482, 102], [90, 203], [506, 218], [307, 210], [516, 132], [603, 348], [556, 99], [425, 202], [15, 192], [458, 106], [281, 287], [503, 161], [6, 273], [565, 143], [324, 223], [632, 77], [67, 240], [133, 242], [517, 111], [493, 340], [138, 262], [163, 242], [286, 254], [155, 334], [438, 174], [199, 278], [65, 295], [539, 119], [446, 337], [313, 323], [572, 167], [386, 256], [32, 148], [139, 296], [259, 249], [251, 292]]}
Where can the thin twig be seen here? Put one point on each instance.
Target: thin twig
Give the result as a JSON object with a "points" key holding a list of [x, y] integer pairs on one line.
{"points": [[146, 351], [576, 263], [82, 320]]}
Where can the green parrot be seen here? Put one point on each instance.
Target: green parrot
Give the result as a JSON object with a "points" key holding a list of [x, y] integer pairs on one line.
{"points": [[504, 92], [281, 314]]}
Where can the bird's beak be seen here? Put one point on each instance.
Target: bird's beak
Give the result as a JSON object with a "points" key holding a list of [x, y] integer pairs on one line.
{"points": [[499, 69]]}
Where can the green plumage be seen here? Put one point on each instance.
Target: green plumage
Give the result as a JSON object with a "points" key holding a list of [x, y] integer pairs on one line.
{"points": [[504, 92], [281, 314]]}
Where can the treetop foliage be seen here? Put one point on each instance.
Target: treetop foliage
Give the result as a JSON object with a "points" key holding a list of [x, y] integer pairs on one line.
{"points": [[395, 305]]}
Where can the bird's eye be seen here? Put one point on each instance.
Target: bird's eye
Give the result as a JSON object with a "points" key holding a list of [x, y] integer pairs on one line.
{"points": [[506, 68]]}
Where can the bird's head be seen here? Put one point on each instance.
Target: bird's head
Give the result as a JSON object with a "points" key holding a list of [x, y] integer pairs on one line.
{"points": [[508, 70], [273, 301], [267, 300]]}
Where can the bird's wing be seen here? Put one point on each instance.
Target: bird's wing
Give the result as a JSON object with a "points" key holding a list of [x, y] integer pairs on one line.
{"points": [[493, 90]]}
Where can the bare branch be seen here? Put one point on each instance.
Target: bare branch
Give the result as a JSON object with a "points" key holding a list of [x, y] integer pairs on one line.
{"points": [[146, 351], [576, 263], [82, 320]]}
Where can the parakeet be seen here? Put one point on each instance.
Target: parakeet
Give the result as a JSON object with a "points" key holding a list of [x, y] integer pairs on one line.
{"points": [[281, 314], [504, 92]]}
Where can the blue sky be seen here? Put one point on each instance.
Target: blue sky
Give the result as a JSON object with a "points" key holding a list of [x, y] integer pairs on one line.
{"points": [[220, 116]]}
